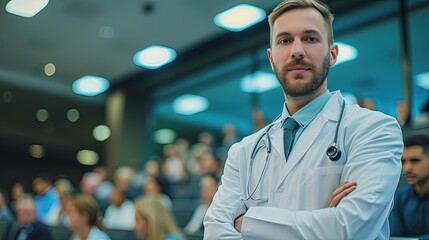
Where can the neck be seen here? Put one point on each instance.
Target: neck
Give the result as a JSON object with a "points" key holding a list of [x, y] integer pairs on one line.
{"points": [[422, 188], [84, 232], [294, 104]]}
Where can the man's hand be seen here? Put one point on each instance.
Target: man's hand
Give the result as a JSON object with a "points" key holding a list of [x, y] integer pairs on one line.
{"points": [[237, 223], [339, 193]]}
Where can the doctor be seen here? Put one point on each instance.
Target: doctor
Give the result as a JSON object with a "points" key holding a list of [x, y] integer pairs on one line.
{"points": [[268, 195]]}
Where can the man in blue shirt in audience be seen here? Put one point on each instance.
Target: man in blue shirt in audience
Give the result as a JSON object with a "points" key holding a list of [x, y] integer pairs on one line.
{"points": [[410, 214]]}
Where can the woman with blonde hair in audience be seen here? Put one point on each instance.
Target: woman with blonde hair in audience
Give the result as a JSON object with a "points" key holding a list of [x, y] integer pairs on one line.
{"points": [[84, 219], [154, 221]]}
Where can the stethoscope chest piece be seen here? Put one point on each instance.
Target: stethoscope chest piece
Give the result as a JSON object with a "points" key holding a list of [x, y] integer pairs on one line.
{"points": [[333, 153]]}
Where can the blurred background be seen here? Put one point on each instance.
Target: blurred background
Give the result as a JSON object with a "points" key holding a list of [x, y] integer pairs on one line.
{"points": [[47, 125]]}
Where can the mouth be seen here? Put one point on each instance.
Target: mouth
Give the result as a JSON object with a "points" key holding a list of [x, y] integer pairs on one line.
{"points": [[410, 178], [298, 69]]}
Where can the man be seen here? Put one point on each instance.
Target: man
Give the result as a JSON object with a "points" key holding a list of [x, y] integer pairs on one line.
{"points": [[31, 228], [47, 199], [271, 192], [117, 215], [409, 217]]}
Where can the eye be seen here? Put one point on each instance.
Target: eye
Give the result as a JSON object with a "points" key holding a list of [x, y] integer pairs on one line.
{"points": [[312, 39], [284, 41], [415, 160]]}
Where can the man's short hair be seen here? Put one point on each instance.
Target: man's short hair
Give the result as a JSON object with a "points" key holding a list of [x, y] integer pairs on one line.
{"points": [[418, 140]]}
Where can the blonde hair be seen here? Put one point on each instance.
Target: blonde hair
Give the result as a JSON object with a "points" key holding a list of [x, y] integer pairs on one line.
{"points": [[288, 5], [160, 221], [85, 204]]}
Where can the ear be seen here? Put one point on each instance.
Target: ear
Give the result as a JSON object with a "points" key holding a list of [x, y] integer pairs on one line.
{"points": [[333, 54], [270, 57]]}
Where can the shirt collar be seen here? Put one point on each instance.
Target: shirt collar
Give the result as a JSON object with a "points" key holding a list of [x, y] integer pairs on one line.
{"points": [[426, 195], [306, 114]]}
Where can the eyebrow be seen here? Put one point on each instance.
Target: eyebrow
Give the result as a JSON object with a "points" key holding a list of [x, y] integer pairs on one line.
{"points": [[306, 32]]}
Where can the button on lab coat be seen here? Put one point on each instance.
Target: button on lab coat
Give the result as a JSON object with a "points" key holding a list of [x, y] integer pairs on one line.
{"points": [[290, 202]]}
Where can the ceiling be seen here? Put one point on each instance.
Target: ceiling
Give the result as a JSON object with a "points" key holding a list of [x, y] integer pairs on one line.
{"points": [[100, 37]]}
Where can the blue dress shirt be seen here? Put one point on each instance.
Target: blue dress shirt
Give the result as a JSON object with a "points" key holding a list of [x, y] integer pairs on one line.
{"points": [[410, 214], [306, 114]]}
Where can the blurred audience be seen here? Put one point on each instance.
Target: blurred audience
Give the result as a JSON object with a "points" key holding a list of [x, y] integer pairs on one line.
{"points": [[117, 214], [154, 221], [17, 191], [154, 187], [152, 169], [47, 200], [104, 189], [229, 138], [173, 167], [208, 187], [30, 227], [84, 219], [409, 216], [65, 191], [183, 149], [402, 114], [122, 177], [369, 104], [258, 118], [5, 213], [209, 164], [89, 182]]}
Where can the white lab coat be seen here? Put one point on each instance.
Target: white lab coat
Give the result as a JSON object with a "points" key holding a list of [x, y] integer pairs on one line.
{"points": [[292, 197]]}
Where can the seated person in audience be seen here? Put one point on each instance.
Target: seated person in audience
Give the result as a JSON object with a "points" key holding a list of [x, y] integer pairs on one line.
{"points": [[47, 200], [5, 213], [154, 187], [84, 220], [104, 188], [208, 187], [16, 192], [410, 214], [119, 214], [65, 190], [173, 167], [154, 221], [30, 227]]}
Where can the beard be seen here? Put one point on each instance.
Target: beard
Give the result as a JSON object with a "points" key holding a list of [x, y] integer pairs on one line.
{"points": [[299, 90]]}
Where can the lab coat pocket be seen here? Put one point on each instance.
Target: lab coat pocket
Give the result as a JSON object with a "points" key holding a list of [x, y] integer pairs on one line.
{"points": [[320, 184]]}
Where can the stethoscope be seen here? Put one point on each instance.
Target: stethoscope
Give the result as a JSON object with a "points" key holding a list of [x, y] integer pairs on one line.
{"points": [[333, 153]]}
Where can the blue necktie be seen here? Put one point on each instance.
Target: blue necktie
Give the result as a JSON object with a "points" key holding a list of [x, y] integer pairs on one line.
{"points": [[288, 135]]}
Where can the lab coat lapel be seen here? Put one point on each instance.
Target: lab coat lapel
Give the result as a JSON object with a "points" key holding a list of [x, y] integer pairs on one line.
{"points": [[329, 113]]}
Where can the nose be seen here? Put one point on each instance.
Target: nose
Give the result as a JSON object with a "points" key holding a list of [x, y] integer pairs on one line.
{"points": [[406, 167], [297, 50]]}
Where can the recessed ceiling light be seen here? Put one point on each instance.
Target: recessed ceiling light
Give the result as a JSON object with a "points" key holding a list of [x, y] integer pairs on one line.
{"points": [[164, 136], [90, 85], [154, 56], [36, 151], [259, 82], [101, 133], [189, 104], [49, 69], [239, 17], [345, 53], [422, 80], [42, 115], [73, 115], [87, 157], [26, 8]]}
